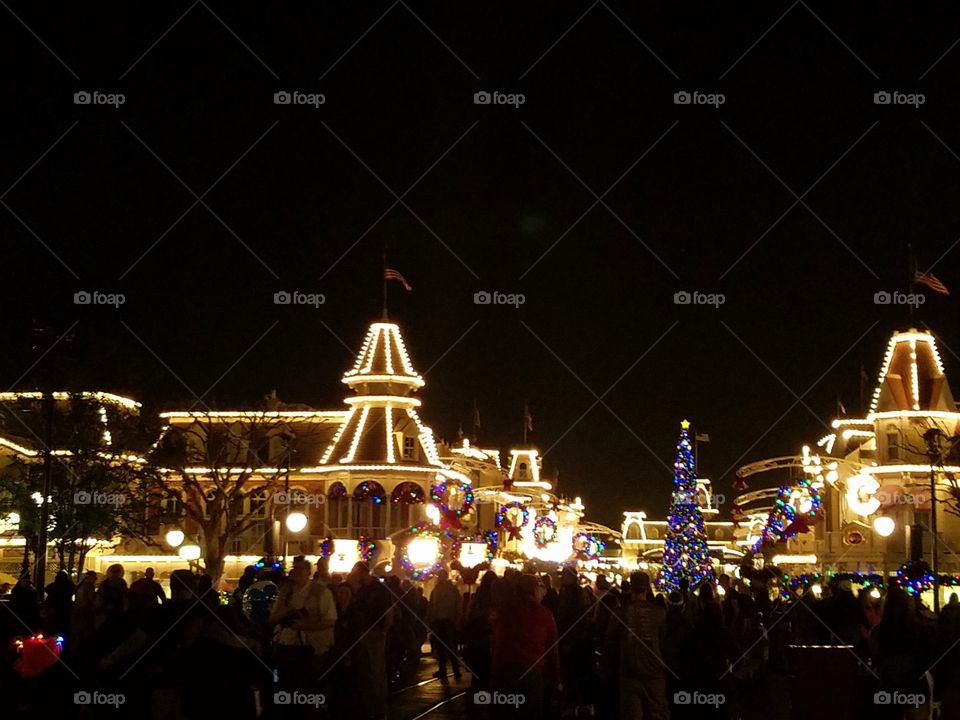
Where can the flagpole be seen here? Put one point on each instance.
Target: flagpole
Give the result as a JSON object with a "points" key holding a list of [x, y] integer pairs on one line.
{"points": [[383, 275], [912, 268]]}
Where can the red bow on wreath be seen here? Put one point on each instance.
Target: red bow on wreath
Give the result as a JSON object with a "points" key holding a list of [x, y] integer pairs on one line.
{"points": [[798, 526], [450, 520]]}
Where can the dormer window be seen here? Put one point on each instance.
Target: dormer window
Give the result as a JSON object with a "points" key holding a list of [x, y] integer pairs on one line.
{"points": [[523, 471], [409, 448], [893, 443]]}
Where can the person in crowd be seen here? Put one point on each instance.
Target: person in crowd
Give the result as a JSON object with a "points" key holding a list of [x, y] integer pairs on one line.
{"points": [[603, 691], [637, 641], [303, 619], [84, 620], [679, 637], [551, 598], [168, 656], [148, 589], [947, 669], [444, 616], [111, 595], [248, 578], [478, 635], [24, 606], [574, 628], [368, 618], [900, 647], [322, 575], [524, 650], [5, 589], [58, 604]]}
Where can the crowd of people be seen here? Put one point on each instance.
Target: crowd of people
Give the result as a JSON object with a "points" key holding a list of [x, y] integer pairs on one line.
{"points": [[530, 644]]}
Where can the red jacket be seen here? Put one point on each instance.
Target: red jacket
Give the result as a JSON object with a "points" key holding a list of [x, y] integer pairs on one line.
{"points": [[525, 636]]}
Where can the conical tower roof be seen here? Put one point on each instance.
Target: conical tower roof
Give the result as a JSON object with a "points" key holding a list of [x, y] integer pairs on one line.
{"points": [[382, 427]]}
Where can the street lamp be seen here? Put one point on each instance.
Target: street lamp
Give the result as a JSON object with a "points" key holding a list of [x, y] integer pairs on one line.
{"points": [[174, 538], [884, 526], [189, 552], [296, 521]]}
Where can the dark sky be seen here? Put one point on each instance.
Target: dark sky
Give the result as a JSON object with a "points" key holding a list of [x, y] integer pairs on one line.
{"points": [[293, 207]]}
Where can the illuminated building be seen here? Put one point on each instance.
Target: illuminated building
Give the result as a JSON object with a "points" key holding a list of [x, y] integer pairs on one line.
{"points": [[874, 471]]}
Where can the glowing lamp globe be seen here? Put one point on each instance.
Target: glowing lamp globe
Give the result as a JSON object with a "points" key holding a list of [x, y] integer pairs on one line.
{"points": [[189, 552], [884, 526], [296, 521], [433, 514], [423, 550], [174, 538]]}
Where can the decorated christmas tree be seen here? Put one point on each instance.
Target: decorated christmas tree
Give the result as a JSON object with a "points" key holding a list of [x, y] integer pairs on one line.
{"points": [[685, 548]]}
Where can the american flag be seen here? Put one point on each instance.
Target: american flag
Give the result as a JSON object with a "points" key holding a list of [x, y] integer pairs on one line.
{"points": [[391, 274], [931, 281]]}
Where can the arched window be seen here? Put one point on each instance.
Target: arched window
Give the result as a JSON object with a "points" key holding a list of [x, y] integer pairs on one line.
{"points": [[338, 503], [523, 471], [653, 534], [633, 531], [369, 497], [403, 498]]}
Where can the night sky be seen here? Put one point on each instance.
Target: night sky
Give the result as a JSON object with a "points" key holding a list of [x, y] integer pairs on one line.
{"points": [[503, 199]]}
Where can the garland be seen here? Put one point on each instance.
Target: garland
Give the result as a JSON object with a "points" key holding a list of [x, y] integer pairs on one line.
{"points": [[915, 577], [451, 517], [784, 520], [544, 531], [587, 546], [422, 530], [366, 491], [504, 521], [326, 547], [366, 548]]}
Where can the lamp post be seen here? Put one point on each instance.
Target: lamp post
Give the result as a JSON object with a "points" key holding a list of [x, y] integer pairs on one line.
{"points": [[936, 451], [40, 580]]}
